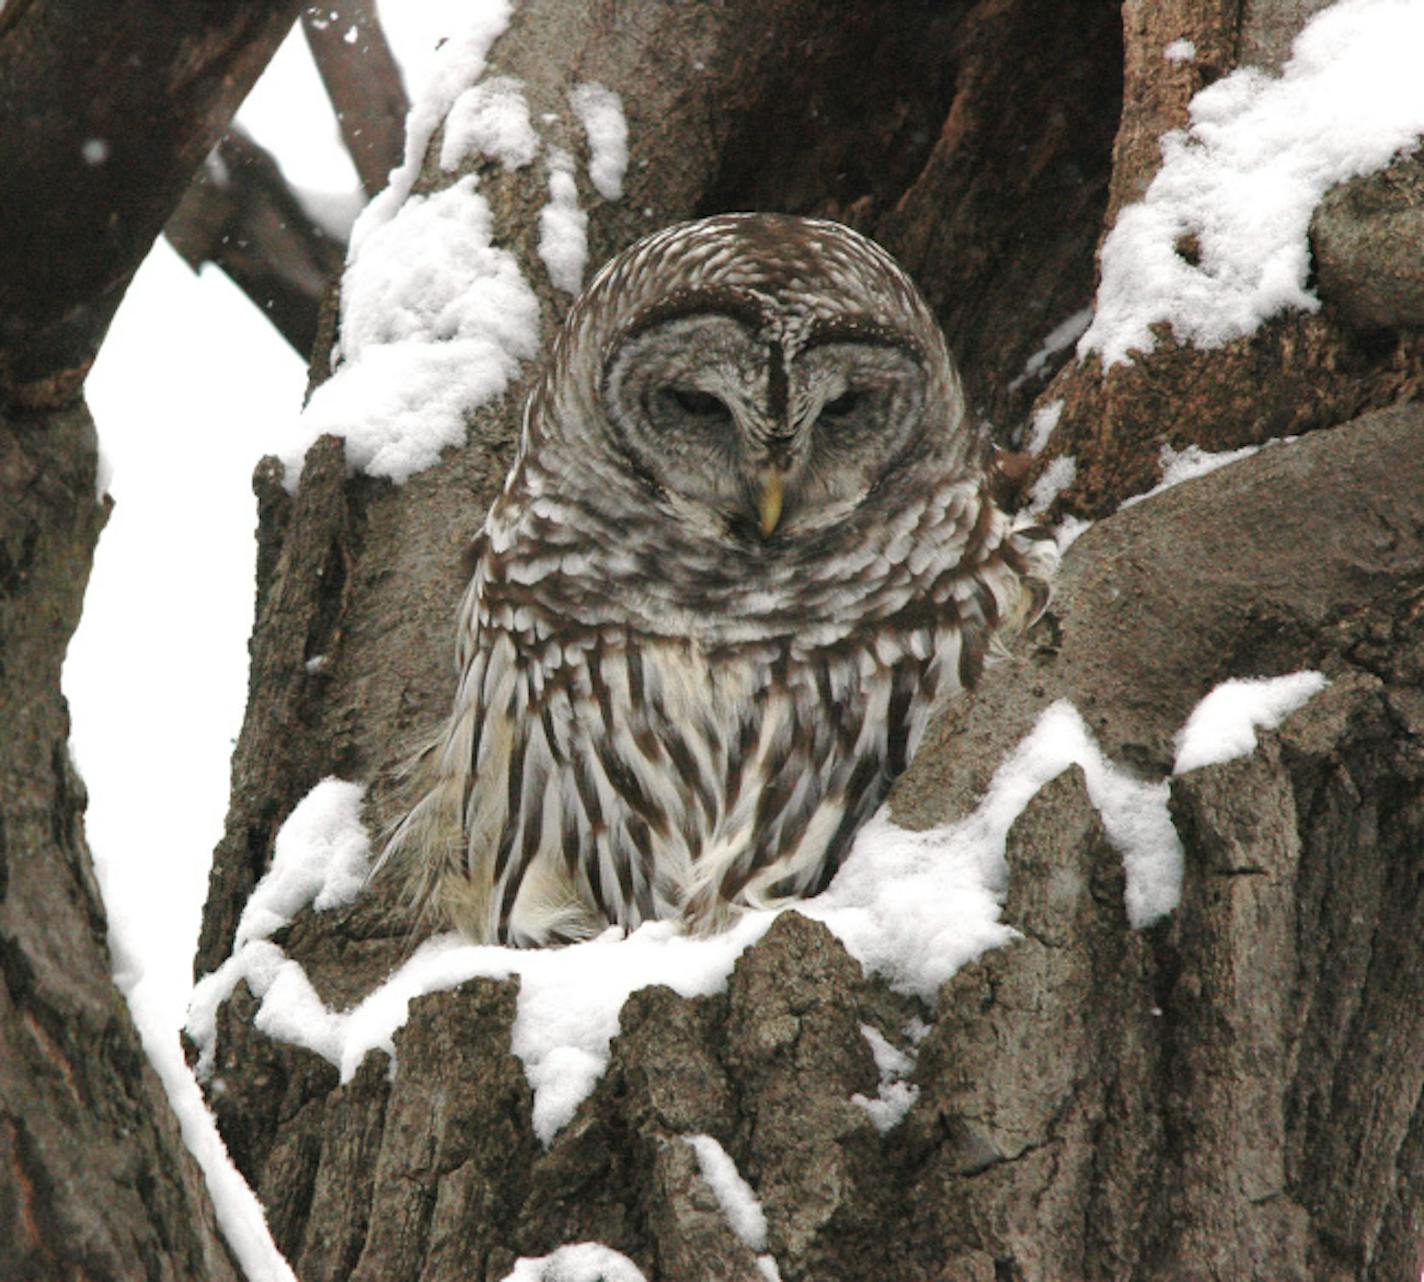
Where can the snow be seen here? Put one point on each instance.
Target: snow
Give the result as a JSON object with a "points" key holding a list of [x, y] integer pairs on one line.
{"points": [[95, 151], [492, 119], [916, 906], [239, 1213], [1180, 51], [1059, 337], [435, 320], [583, 1262], [1223, 725], [913, 907], [1193, 461], [1054, 479], [895, 1095], [1041, 426], [458, 64], [1243, 178], [734, 1195], [600, 111], [563, 226], [321, 857]]}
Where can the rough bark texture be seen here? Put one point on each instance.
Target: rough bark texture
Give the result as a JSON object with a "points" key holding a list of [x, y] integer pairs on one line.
{"points": [[105, 112], [94, 1179], [1297, 372], [1234, 1093]]}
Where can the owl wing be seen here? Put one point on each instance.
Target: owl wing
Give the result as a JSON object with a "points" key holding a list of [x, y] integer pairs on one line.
{"points": [[548, 806]]}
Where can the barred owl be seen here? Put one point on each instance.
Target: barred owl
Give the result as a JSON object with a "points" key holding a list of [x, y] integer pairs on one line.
{"points": [[745, 549]]}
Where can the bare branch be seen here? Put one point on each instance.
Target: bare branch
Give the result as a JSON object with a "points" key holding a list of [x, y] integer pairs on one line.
{"points": [[102, 125], [240, 214], [364, 84]]}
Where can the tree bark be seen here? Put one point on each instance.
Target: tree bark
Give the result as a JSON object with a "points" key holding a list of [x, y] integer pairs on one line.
{"points": [[105, 112], [94, 1179], [1232, 1093], [1299, 371]]}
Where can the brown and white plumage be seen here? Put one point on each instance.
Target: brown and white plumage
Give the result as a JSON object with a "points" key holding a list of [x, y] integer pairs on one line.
{"points": [[746, 548]]}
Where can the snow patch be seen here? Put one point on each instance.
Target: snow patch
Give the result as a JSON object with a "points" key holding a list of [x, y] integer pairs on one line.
{"points": [[490, 119], [1059, 337], [1044, 420], [1055, 478], [563, 226], [321, 857], [458, 64], [895, 1095], [582, 1262], [1193, 461], [734, 1195], [600, 111], [1180, 51], [914, 907], [917, 906], [435, 320], [1219, 242], [1223, 725]]}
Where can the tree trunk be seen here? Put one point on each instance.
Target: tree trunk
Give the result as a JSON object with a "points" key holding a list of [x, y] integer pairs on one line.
{"points": [[1231, 1093], [105, 112], [94, 1178]]}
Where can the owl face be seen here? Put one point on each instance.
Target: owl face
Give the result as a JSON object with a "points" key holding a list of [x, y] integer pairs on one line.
{"points": [[757, 384], [746, 429]]}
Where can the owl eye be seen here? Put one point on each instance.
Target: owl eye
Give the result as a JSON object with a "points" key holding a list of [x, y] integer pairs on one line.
{"points": [[846, 403], [698, 404]]}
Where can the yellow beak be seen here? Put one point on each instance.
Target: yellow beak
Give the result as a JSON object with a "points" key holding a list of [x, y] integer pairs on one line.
{"points": [[769, 504]]}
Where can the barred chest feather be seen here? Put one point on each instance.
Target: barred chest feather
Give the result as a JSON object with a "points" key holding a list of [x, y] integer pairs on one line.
{"points": [[606, 774], [747, 546]]}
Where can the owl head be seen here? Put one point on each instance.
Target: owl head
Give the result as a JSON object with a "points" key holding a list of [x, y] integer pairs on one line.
{"points": [[757, 379]]}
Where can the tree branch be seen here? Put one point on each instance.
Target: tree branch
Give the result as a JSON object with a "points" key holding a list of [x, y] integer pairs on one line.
{"points": [[105, 114], [364, 84], [240, 214]]}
